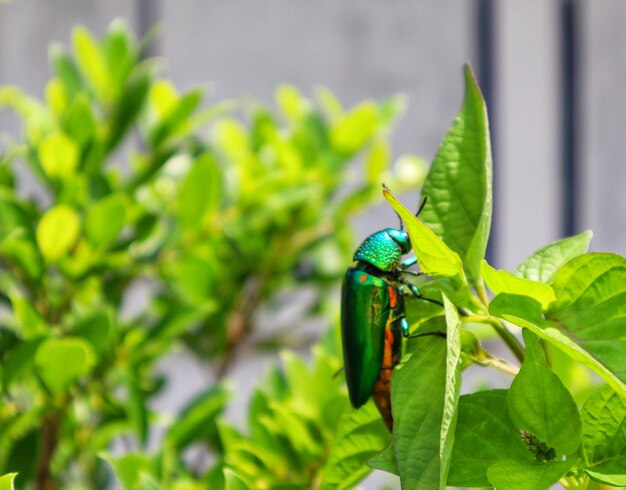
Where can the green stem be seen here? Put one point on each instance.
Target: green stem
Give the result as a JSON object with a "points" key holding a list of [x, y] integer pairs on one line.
{"points": [[509, 339]]}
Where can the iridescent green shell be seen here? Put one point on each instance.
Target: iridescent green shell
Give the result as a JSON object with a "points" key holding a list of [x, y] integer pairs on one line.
{"points": [[365, 309], [381, 250]]}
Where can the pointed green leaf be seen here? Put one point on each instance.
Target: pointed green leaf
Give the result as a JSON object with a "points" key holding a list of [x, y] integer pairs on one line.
{"points": [[604, 426], [6, 481], [133, 471], [483, 437], [234, 482], [91, 62], [58, 155], [458, 185], [385, 461], [57, 231], [542, 265], [31, 324], [360, 435], [62, 361], [105, 220], [434, 256], [612, 472], [539, 404], [526, 312], [418, 392], [453, 389], [513, 474], [501, 281]]}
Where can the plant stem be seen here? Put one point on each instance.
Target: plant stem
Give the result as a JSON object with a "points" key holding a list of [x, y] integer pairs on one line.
{"points": [[500, 364], [509, 339], [49, 441]]}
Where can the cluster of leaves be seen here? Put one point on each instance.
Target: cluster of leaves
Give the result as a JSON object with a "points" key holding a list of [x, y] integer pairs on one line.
{"points": [[570, 305], [214, 226]]}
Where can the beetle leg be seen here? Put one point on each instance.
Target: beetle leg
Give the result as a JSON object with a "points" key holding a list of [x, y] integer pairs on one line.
{"points": [[406, 263], [417, 294]]}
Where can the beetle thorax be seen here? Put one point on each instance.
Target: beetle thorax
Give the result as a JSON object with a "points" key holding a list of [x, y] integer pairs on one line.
{"points": [[384, 249]]}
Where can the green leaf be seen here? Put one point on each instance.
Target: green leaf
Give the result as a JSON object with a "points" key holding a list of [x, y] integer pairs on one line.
{"points": [[611, 472], [591, 303], [513, 474], [234, 482], [176, 119], [483, 437], [377, 161], [385, 461], [58, 155], [91, 62], [60, 362], [361, 434], [133, 471], [57, 231], [542, 265], [458, 185], [353, 130], [6, 481], [200, 192], [433, 255], [604, 426], [105, 220], [198, 419], [291, 102], [501, 281], [539, 404], [453, 388], [65, 69], [523, 311], [418, 392], [31, 324]]}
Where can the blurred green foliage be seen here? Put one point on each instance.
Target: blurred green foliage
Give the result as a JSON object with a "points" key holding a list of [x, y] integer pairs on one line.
{"points": [[214, 210]]}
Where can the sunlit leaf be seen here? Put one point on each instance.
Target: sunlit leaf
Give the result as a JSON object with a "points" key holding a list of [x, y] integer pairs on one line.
{"points": [[501, 281], [458, 185], [57, 231], [62, 361], [58, 155], [513, 474], [542, 265]]}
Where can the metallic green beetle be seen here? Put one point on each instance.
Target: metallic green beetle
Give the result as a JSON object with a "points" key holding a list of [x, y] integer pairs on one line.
{"points": [[373, 316]]}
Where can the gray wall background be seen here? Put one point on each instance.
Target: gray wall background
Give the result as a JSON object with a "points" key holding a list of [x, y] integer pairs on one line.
{"points": [[374, 48]]}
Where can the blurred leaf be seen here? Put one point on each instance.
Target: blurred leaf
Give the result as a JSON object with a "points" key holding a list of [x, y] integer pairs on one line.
{"points": [[377, 161], [60, 362], [97, 330], [513, 474], [133, 471], [458, 185], [91, 62], [234, 482], [80, 121], [176, 118], [542, 265], [353, 130], [56, 97], [501, 281], [197, 420], [6, 481], [163, 98], [57, 231], [291, 102], [65, 69], [360, 435], [119, 53], [31, 324], [105, 220], [200, 192], [539, 404], [418, 389], [19, 362], [58, 155]]}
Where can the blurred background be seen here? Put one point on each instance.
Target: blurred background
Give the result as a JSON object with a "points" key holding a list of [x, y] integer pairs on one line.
{"points": [[553, 75]]}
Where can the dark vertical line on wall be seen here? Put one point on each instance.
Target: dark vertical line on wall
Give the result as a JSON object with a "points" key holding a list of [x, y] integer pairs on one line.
{"points": [[486, 59], [148, 16], [569, 17]]}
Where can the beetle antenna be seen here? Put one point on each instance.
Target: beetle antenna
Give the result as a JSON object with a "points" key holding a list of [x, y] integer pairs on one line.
{"points": [[421, 206]]}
